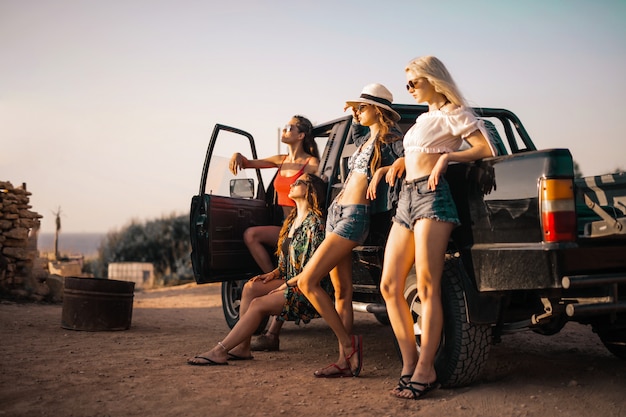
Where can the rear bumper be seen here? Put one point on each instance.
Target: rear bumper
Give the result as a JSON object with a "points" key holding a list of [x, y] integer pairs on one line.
{"points": [[538, 266]]}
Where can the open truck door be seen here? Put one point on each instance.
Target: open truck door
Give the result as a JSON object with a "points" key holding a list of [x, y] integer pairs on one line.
{"points": [[226, 205]]}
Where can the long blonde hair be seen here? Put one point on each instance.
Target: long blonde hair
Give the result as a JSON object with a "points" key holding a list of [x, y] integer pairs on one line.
{"points": [[437, 74]]}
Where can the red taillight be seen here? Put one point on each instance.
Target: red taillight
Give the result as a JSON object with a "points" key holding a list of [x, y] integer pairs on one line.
{"points": [[558, 210]]}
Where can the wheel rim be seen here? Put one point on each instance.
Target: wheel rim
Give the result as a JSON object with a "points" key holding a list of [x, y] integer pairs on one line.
{"points": [[415, 306], [233, 294]]}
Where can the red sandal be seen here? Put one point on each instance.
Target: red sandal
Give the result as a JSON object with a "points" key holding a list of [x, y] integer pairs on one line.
{"points": [[357, 347], [342, 372]]}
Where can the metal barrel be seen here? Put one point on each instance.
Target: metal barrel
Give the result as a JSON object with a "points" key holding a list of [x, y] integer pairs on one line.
{"points": [[96, 304]]}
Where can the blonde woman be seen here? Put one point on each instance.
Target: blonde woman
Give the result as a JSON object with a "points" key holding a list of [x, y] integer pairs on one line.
{"points": [[426, 215]]}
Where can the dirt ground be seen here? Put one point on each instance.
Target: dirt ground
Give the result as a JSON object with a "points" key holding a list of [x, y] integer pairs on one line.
{"points": [[50, 371]]}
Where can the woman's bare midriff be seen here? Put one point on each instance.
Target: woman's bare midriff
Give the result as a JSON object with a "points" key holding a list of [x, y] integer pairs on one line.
{"points": [[354, 190], [419, 164]]}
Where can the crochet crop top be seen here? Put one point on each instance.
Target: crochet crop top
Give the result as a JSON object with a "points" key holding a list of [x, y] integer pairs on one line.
{"points": [[443, 132], [360, 160], [282, 185]]}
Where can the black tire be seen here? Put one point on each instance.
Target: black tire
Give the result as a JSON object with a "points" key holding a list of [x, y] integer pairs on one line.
{"points": [[464, 346], [383, 318], [614, 340], [231, 299]]}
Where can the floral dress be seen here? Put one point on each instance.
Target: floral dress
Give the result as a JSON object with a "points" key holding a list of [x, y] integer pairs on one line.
{"points": [[306, 238]]}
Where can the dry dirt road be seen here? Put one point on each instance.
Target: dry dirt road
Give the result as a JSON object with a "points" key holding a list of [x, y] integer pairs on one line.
{"points": [[46, 370]]}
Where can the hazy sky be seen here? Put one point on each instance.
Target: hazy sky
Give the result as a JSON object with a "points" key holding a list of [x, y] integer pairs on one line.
{"points": [[106, 107]]}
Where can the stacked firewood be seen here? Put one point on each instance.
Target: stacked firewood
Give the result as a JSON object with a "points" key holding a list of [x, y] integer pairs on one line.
{"points": [[18, 244]]}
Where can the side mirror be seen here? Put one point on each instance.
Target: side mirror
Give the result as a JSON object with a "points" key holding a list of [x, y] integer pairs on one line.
{"points": [[242, 188]]}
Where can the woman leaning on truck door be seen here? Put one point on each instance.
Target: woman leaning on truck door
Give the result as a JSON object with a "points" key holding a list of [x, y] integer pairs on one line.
{"points": [[348, 223], [426, 215], [302, 157]]}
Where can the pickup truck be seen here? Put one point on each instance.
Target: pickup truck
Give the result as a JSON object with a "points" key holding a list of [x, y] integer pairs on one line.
{"points": [[536, 248]]}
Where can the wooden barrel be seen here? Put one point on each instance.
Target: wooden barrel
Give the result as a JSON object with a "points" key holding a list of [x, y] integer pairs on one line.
{"points": [[95, 304]]}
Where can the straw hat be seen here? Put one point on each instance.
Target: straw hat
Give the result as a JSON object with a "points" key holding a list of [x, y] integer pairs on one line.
{"points": [[378, 95]]}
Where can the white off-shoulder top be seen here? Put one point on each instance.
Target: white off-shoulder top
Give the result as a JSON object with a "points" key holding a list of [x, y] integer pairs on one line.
{"points": [[442, 131]]}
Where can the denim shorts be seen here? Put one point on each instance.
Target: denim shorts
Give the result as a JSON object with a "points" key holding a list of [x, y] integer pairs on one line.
{"points": [[418, 202], [351, 221]]}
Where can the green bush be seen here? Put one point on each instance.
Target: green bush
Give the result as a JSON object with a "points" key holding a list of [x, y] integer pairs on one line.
{"points": [[163, 242]]}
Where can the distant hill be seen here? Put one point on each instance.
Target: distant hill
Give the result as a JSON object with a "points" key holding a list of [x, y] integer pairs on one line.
{"points": [[71, 243]]}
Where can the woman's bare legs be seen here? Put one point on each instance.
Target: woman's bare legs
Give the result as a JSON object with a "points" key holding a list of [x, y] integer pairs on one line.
{"points": [[430, 244], [399, 258], [341, 277], [256, 289], [238, 340], [331, 256], [258, 239]]}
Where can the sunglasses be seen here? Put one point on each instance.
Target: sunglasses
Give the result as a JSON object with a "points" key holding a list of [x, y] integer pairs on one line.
{"points": [[362, 107], [299, 182], [412, 84], [289, 128]]}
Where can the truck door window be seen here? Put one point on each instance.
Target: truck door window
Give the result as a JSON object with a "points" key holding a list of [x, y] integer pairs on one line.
{"points": [[219, 176]]}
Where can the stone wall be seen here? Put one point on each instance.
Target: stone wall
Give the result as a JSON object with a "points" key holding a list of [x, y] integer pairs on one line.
{"points": [[21, 275]]}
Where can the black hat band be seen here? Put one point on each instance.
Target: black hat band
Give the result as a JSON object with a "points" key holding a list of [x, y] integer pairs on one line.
{"points": [[376, 99]]}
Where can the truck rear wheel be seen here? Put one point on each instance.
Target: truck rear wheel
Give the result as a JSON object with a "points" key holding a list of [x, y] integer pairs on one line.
{"points": [[464, 346], [231, 299], [614, 340]]}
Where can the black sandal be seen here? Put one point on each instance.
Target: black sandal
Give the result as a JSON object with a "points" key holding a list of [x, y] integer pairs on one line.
{"points": [[418, 393], [402, 383]]}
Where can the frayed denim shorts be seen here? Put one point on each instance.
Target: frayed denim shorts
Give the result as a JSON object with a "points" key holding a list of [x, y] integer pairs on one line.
{"points": [[418, 202], [351, 221]]}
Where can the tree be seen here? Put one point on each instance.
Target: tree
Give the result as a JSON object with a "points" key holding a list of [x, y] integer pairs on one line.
{"points": [[163, 242]]}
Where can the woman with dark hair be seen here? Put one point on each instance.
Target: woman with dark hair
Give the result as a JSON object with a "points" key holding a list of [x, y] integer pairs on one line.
{"points": [[301, 234], [302, 157]]}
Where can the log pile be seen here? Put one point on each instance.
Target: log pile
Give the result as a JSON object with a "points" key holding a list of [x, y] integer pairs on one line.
{"points": [[18, 245]]}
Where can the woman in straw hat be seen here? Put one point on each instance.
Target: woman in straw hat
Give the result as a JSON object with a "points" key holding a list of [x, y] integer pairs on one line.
{"points": [[348, 224], [426, 215]]}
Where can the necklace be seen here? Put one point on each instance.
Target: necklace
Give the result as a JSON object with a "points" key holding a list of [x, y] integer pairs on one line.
{"points": [[444, 104]]}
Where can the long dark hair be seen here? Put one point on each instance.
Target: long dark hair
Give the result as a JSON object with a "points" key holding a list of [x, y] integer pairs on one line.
{"points": [[309, 145], [316, 197]]}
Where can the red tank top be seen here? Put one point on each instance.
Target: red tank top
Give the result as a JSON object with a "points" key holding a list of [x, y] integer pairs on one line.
{"points": [[282, 185]]}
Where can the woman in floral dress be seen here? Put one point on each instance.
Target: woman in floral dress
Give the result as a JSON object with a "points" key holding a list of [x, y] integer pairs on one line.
{"points": [[301, 234]]}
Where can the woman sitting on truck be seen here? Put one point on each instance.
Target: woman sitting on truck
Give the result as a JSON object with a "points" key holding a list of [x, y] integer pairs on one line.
{"points": [[348, 224], [301, 234], [426, 215], [302, 157]]}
